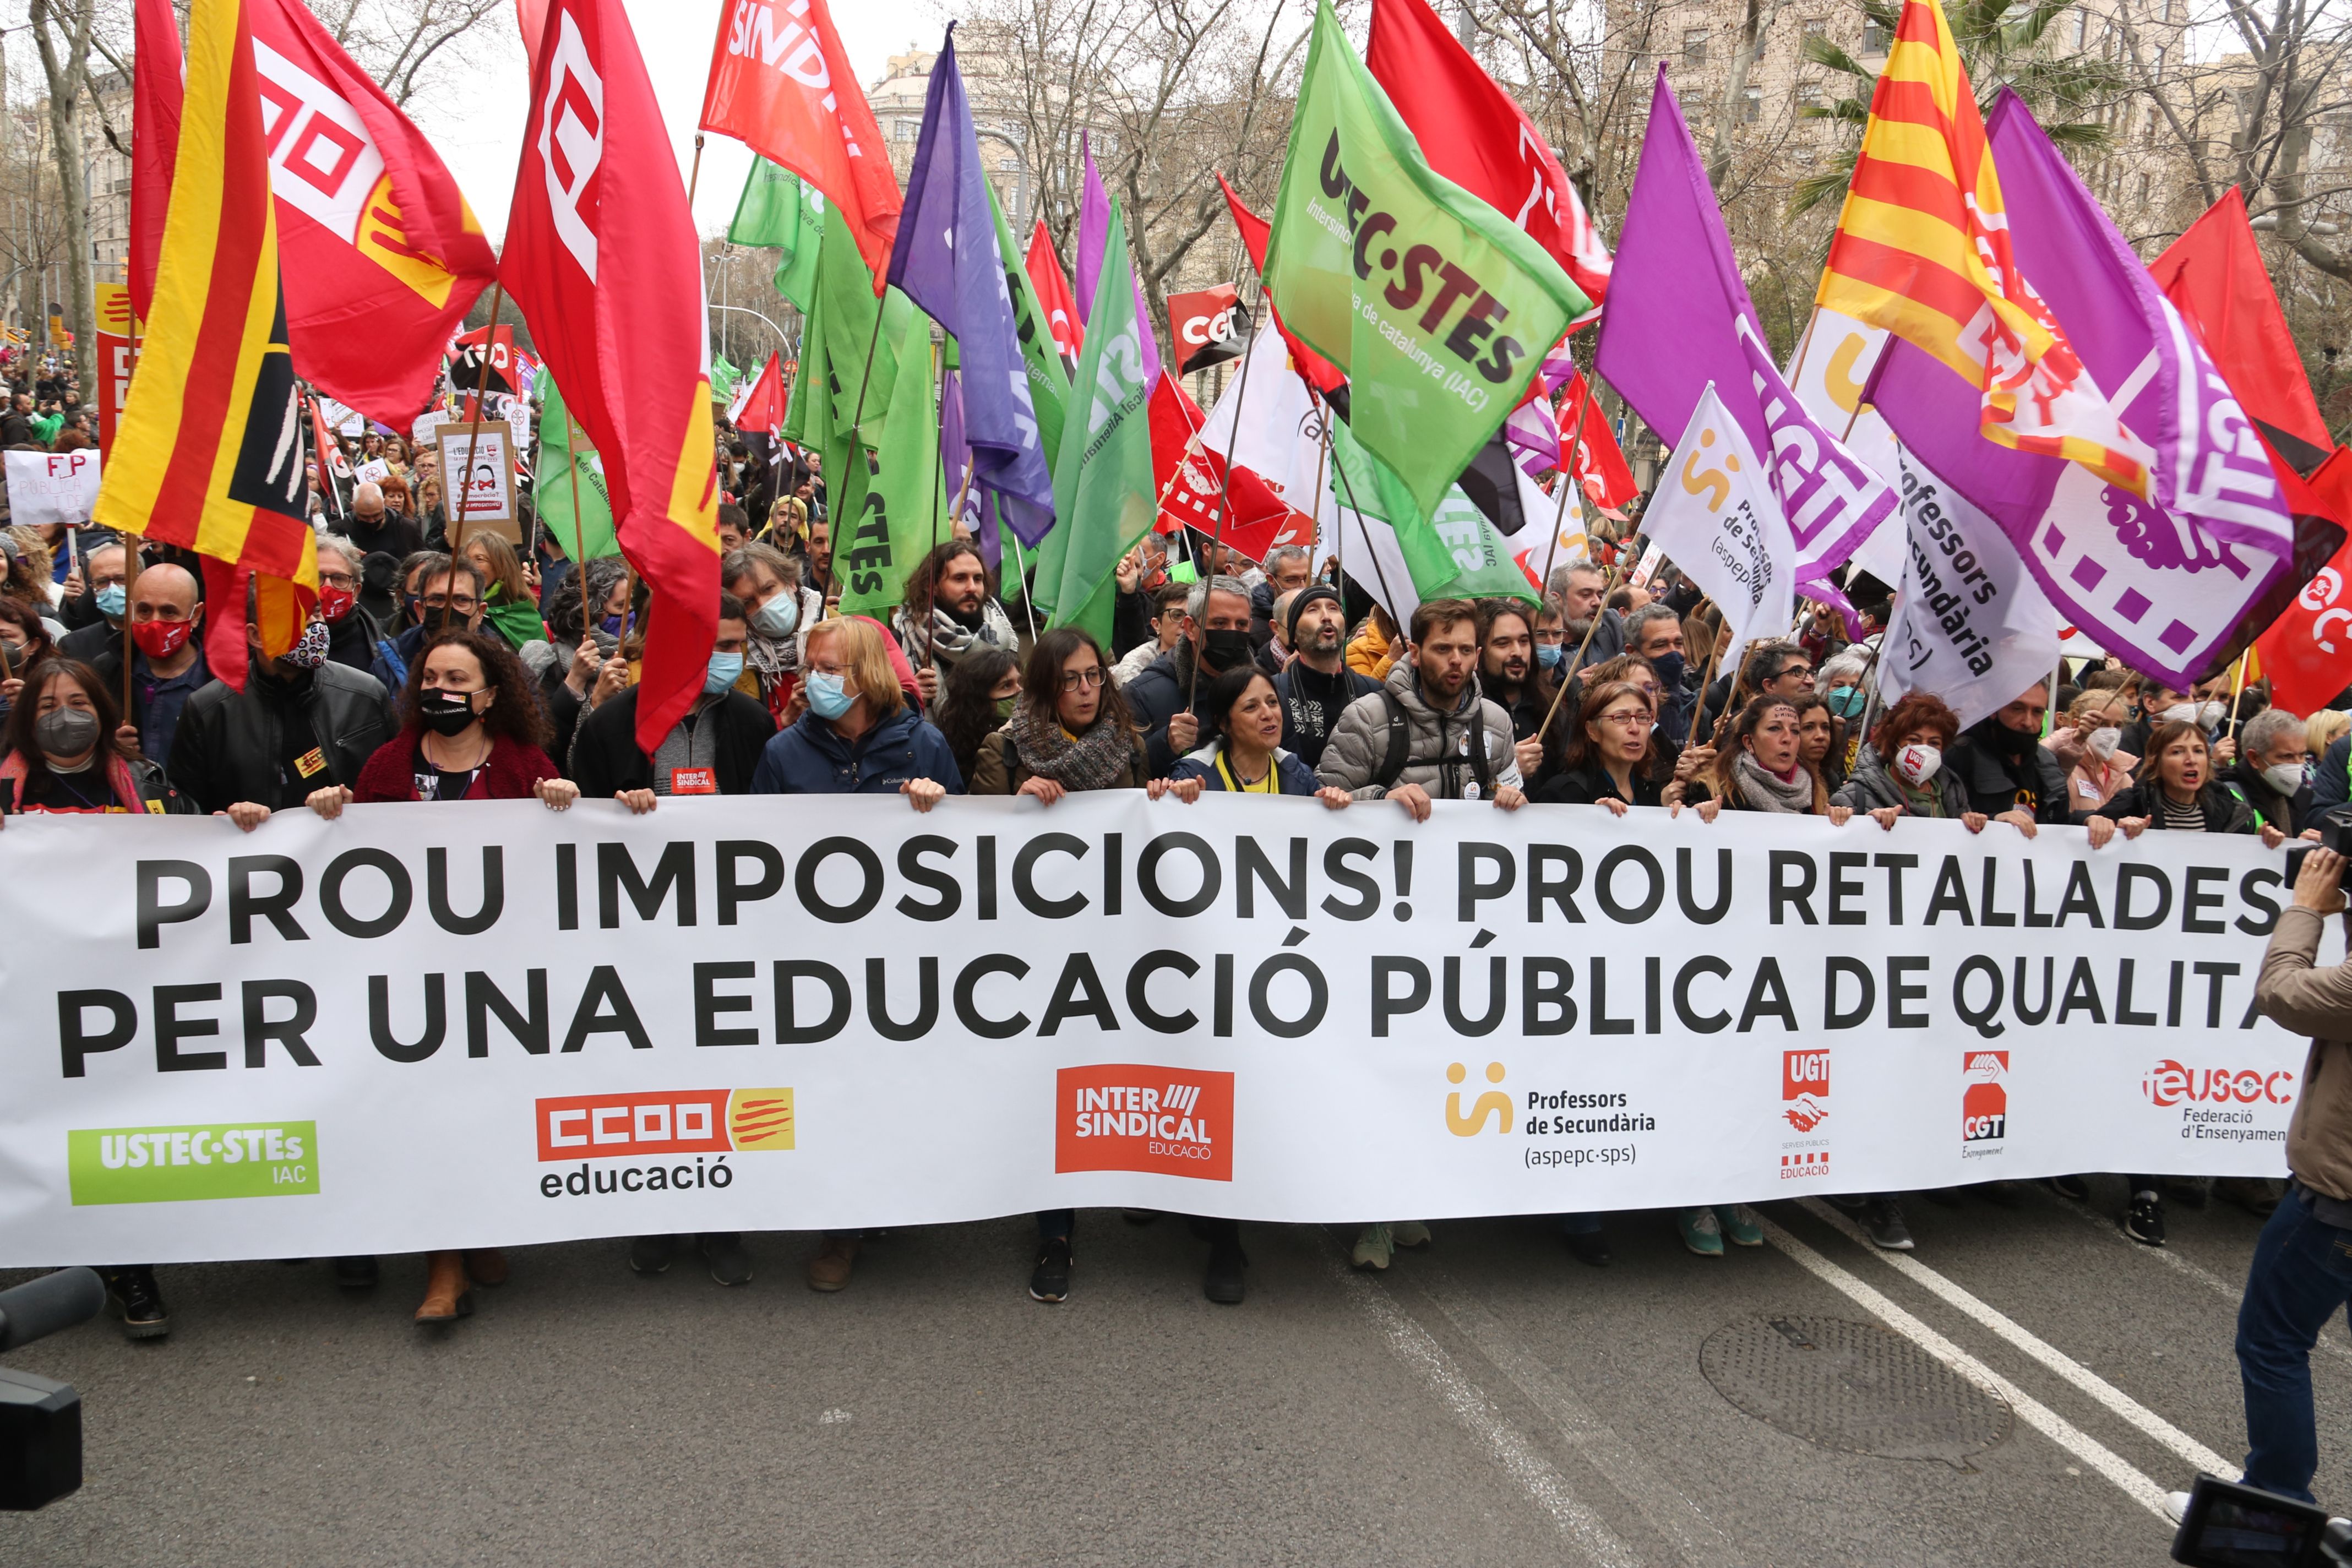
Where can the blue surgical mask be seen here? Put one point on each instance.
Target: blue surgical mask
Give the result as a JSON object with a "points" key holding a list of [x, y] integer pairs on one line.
{"points": [[1846, 701], [1549, 654], [725, 667], [829, 696], [779, 617], [111, 600]]}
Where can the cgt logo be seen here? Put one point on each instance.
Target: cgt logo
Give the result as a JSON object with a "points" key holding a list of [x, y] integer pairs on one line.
{"points": [[663, 1121], [1805, 1088], [1168, 1121], [1493, 1103], [2169, 1083], [1984, 1104]]}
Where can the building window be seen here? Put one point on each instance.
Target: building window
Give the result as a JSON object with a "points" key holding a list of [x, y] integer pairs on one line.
{"points": [[1695, 46], [1751, 106], [1808, 95], [2081, 27], [1876, 38], [1818, 27], [2159, 62], [2142, 190]]}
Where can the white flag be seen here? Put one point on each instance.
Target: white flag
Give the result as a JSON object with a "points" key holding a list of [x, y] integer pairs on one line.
{"points": [[1717, 519], [1279, 436], [1972, 625]]}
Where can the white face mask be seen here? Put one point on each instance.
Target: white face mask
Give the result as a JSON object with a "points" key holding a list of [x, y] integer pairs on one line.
{"points": [[1918, 764], [2212, 713], [2181, 713], [2104, 742], [2284, 777]]}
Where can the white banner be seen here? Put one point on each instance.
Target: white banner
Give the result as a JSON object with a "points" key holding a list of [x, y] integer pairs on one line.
{"points": [[52, 486], [426, 1026]]}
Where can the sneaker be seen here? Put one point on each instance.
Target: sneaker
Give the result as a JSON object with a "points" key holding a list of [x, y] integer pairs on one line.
{"points": [[652, 1254], [2072, 1187], [829, 1269], [723, 1250], [1700, 1232], [1883, 1222], [1409, 1234], [1738, 1224], [145, 1316], [1587, 1247], [1050, 1280], [1375, 1245], [2144, 1219], [1223, 1282], [357, 1273]]}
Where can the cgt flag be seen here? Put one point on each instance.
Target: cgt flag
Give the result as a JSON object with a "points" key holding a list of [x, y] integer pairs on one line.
{"points": [[781, 84], [209, 454], [602, 257], [1429, 299]]}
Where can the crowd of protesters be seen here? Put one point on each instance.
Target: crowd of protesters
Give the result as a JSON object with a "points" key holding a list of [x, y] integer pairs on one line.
{"points": [[489, 670]]}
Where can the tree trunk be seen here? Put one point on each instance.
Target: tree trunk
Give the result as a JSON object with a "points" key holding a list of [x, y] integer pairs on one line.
{"points": [[64, 79], [1755, 26]]}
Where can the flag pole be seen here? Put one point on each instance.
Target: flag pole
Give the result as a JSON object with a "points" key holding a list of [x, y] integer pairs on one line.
{"points": [[2237, 686], [694, 176], [857, 453], [130, 543], [1559, 515], [1339, 472], [1575, 665], [1224, 506], [474, 429], [579, 527], [931, 595], [1021, 566]]}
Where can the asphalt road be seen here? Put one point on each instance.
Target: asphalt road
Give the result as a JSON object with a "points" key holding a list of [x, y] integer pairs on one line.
{"points": [[1488, 1401]]}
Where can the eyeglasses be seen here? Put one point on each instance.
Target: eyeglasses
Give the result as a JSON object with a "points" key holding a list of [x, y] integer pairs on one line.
{"points": [[464, 604], [343, 579], [1795, 669], [1629, 718], [1093, 675]]}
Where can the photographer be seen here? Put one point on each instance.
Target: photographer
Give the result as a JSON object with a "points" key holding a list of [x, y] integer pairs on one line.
{"points": [[2302, 1272]]}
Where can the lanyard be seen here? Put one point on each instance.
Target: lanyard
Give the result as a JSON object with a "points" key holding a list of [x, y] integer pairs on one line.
{"points": [[1264, 786]]}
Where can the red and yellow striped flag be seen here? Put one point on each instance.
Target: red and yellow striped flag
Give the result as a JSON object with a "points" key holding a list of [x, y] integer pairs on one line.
{"points": [[208, 453], [1928, 256]]}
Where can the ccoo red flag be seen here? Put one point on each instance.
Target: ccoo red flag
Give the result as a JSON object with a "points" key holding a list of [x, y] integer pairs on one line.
{"points": [[760, 404], [1053, 296], [157, 89], [1598, 464], [602, 257]]}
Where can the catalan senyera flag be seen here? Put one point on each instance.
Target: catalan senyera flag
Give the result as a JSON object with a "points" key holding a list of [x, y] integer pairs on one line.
{"points": [[209, 452], [1922, 249]]}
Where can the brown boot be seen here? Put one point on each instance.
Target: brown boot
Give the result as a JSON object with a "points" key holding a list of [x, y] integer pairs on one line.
{"points": [[445, 1296], [486, 1266], [829, 1269]]}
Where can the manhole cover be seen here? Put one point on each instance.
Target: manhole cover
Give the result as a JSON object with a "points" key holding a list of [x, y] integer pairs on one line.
{"points": [[1853, 1386]]}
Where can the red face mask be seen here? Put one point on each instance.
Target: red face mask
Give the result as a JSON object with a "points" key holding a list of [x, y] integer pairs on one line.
{"points": [[161, 639], [334, 604]]}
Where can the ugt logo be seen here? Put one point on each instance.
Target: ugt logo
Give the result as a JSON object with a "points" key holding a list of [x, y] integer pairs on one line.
{"points": [[1493, 1103], [1805, 1088]]}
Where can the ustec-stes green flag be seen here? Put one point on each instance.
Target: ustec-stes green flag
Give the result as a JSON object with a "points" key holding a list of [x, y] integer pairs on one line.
{"points": [[568, 467], [1436, 304], [1104, 497], [902, 512], [776, 208], [1456, 554]]}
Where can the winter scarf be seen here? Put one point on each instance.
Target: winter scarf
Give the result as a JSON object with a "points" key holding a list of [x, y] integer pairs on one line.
{"points": [[951, 637], [1099, 759], [1764, 790]]}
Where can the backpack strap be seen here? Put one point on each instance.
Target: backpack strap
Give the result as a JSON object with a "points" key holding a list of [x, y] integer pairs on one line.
{"points": [[1012, 765], [1399, 735]]}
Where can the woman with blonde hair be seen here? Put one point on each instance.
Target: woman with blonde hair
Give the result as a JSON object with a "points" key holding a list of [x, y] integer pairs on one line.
{"points": [[2324, 728], [511, 601]]}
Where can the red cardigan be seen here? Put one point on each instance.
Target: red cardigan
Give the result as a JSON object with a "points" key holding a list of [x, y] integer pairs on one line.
{"points": [[391, 773]]}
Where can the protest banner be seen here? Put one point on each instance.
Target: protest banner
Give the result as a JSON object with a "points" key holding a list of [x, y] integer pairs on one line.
{"points": [[486, 497], [425, 1026], [51, 487]]}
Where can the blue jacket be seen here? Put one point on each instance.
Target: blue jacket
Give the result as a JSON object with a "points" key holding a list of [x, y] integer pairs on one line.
{"points": [[1294, 775], [811, 758]]}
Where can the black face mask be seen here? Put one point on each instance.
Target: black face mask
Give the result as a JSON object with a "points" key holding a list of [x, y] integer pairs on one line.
{"points": [[1228, 650], [446, 713], [2008, 742]]}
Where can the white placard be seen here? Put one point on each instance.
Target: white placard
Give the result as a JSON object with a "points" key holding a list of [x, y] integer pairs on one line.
{"points": [[52, 486]]}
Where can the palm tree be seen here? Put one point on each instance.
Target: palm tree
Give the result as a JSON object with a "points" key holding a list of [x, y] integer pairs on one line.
{"points": [[2000, 46]]}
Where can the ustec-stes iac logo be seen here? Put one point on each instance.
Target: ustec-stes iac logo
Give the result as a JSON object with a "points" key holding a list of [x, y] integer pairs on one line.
{"points": [[1805, 1107], [1169, 1121], [665, 1122], [1984, 1103], [175, 1165]]}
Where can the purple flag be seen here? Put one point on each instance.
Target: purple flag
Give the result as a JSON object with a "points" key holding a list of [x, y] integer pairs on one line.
{"points": [[1679, 318], [1093, 235], [2175, 586], [945, 259]]}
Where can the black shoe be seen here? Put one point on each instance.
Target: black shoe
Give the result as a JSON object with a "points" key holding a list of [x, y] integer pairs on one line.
{"points": [[723, 1251], [2073, 1187], [145, 1316], [1050, 1281], [2144, 1220], [1942, 1197], [1854, 1204], [2001, 1195], [1223, 1282], [357, 1273], [1587, 1247], [1882, 1221], [652, 1254]]}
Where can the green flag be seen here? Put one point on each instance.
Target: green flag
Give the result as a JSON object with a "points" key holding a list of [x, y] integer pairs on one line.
{"points": [[1104, 497], [723, 379], [568, 467], [777, 208], [1049, 383], [846, 291], [1436, 305], [903, 508], [1456, 554]]}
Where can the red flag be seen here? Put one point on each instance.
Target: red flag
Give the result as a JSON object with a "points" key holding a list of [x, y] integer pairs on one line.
{"points": [[602, 257], [156, 90], [782, 84], [328, 461], [1600, 467], [2307, 652], [1320, 373], [1191, 479], [1475, 135], [2214, 275], [530, 20], [1053, 296], [760, 404]]}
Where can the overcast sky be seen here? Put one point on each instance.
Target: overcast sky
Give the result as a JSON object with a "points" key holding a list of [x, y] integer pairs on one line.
{"points": [[476, 122]]}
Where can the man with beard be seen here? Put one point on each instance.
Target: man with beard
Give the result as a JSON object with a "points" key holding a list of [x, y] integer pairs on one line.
{"points": [[1656, 633], [1216, 639], [946, 614], [1316, 686], [1576, 589], [1507, 672], [2009, 774]]}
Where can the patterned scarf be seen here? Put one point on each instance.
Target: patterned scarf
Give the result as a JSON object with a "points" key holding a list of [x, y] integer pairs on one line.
{"points": [[1767, 790], [1099, 759], [950, 636]]}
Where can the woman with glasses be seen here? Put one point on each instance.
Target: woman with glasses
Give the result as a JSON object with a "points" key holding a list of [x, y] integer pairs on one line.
{"points": [[1070, 729]]}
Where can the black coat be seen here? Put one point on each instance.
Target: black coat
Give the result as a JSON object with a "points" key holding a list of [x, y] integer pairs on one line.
{"points": [[606, 759], [1591, 785], [228, 745], [2225, 809], [2037, 785]]}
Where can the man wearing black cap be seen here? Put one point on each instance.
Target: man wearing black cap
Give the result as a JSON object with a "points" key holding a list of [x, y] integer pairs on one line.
{"points": [[1316, 686]]}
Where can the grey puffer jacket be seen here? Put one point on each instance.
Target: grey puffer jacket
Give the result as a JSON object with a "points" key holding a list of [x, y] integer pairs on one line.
{"points": [[1437, 745], [1871, 785]]}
